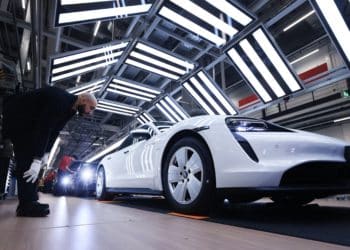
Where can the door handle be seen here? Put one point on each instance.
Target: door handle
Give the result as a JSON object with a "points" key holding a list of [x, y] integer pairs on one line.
{"points": [[127, 151]]}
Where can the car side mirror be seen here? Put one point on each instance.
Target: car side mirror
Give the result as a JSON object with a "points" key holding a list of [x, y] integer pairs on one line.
{"points": [[141, 133]]}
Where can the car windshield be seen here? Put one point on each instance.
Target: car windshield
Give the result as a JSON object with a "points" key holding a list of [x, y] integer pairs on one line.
{"points": [[163, 126]]}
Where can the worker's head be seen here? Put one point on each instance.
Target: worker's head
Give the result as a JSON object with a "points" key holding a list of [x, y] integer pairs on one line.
{"points": [[86, 104]]}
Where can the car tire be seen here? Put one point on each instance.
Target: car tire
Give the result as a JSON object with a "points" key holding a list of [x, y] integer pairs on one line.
{"points": [[101, 191], [292, 200], [188, 176]]}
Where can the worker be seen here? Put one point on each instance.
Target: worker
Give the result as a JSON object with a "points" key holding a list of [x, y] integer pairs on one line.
{"points": [[32, 121]]}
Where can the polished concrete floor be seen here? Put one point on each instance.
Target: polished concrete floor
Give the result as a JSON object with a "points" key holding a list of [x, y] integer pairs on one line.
{"points": [[84, 224]]}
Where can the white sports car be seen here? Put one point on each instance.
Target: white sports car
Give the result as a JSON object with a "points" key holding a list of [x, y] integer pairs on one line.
{"points": [[242, 159]]}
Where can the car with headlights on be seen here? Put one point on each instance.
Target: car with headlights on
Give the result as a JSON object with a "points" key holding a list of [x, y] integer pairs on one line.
{"points": [[195, 161]]}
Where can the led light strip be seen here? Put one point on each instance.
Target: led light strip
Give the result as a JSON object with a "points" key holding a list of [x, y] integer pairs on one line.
{"points": [[203, 12], [85, 86], [80, 16], [165, 112], [166, 106], [217, 93], [81, 55], [113, 111], [278, 78], [70, 2], [305, 56], [172, 104], [198, 98], [237, 59], [128, 94], [90, 90], [136, 86], [117, 105], [80, 71], [152, 69], [298, 21], [118, 87], [337, 25]]}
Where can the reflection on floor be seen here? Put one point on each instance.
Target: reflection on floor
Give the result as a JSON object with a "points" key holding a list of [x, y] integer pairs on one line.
{"points": [[83, 223]]}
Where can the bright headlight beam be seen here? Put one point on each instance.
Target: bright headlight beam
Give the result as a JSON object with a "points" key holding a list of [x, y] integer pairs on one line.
{"points": [[237, 59], [276, 60], [264, 71]]}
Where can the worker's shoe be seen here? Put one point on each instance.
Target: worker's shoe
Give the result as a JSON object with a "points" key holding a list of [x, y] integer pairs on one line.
{"points": [[32, 209]]}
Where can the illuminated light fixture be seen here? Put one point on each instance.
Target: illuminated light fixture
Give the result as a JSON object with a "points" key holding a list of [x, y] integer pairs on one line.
{"points": [[145, 118], [217, 21], [77, 12], [198, 98], [208, 95], [87, 87], [118, 105], [97, 26], [107, 150], [304, 56], [82, 61], [342, 119], [298, 20], [23, 4], [78, 79], [53, 151], [133, 89], [156, 61], [29, 66], [263, 67], [171, 109], [116, 108], [335, 21]]}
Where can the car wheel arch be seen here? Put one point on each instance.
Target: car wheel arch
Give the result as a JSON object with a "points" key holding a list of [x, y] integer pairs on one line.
{"points": [[184, 134]]}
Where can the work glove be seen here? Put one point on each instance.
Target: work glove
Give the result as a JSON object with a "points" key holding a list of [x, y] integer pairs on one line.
{"points": [[45, 160], [33, 172]]}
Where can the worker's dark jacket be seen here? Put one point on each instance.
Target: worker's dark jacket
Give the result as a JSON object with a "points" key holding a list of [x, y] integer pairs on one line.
{"points": [[34, 119]]}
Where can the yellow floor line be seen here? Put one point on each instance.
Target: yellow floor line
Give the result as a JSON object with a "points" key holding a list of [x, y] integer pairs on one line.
{"points": [[189, 216]]}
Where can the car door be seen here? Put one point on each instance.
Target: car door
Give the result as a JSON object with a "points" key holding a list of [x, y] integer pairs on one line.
{"points": [[139, 160], [116, 171]]}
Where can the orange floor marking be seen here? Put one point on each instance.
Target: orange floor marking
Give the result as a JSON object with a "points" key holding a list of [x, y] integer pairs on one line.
{"points": [[189, 216]]}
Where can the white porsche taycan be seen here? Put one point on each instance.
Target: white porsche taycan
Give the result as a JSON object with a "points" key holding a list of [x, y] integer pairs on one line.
{"points": [[197, 160]]}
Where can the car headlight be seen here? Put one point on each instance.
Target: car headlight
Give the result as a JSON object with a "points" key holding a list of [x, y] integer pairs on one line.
{"points": [[87, 174], [252, 125], [66, 180]]}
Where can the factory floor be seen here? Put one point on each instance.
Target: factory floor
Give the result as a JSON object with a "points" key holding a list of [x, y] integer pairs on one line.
{"points": [[84, 223]]}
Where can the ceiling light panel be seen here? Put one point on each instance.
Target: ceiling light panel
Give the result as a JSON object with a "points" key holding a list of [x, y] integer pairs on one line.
{"points": [[87, 87], [133, 89], [155, 60], [263, 66], [82, 61], [334, 16], [208, 95], [217, 21], [117, 107], [171, 109], [72, 12], [145, 118]]}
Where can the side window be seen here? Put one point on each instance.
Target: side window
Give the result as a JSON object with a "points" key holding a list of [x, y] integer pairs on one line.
{"points": [[128, 141], [139, 137]]}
